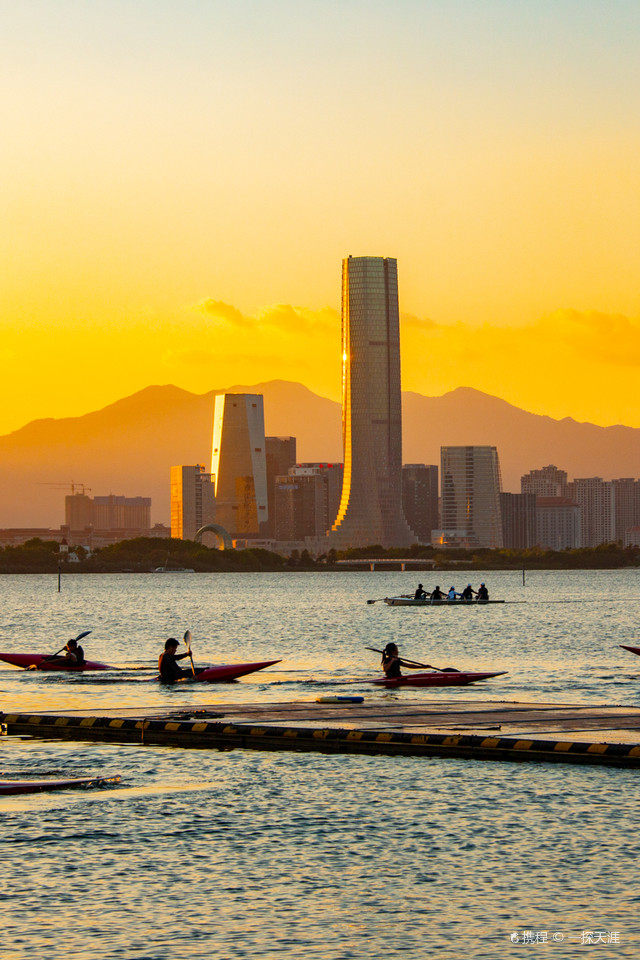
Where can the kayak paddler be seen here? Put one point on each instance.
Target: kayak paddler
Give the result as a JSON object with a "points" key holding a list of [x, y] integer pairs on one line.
{"points": [[169, 669], [74, 652], [391, 661]]}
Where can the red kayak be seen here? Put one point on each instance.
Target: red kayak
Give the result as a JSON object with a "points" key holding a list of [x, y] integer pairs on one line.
{"points": [[26, 660], [631, 649], [226, 672], [437, 678], [38, 786]]}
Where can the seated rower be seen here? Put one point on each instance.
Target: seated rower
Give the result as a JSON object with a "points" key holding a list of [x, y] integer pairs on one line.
{"points": [[169, 669], [74, 652], [483, 593], [467, 593], [437, 594], [452, 595], [391, 661], [420, 594]]}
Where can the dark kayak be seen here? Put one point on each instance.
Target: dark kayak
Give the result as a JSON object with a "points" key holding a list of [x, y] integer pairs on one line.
{"points": [[39, 786]]}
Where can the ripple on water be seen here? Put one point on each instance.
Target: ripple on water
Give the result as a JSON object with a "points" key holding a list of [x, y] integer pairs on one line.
{"points": [[203, 854]]}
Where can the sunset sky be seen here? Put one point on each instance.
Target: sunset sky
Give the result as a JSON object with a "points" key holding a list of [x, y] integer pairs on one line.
{"points": [[181, 179]]}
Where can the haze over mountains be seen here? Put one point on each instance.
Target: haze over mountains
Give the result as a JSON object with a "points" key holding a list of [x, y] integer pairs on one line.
{"points": [[128, 447]]}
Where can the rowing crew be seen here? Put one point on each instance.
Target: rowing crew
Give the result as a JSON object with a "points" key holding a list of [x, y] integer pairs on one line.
{"points": [[467, 594]]}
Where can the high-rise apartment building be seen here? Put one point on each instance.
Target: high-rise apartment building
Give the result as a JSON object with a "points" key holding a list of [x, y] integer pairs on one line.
{"points": [[546, 482], [518, 520], [558, 523], [78, 511], [280, 457], [420, 499], [332, 474], [595, 497], [301, 504], [112, 512], [626, 497], [371, 505], [239, 464], [306, 500], [470, 505], [192, 500]]}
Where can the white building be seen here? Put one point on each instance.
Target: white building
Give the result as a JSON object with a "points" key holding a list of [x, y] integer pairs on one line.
{"points": [[239, 463]]}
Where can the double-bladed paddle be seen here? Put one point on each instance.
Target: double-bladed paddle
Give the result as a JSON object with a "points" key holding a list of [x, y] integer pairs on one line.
{"points": [[36, 666], [187, 640]]}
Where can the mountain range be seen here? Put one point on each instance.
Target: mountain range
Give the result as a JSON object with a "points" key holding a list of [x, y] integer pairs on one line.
{"points": [[129, 446]]}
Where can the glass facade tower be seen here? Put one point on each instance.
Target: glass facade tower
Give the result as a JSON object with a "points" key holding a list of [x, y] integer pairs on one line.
{"points": [[471, 486], [371, 505]]}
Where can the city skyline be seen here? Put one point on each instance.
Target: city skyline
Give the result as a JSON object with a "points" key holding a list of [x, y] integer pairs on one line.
{"points": [[179, 183]]}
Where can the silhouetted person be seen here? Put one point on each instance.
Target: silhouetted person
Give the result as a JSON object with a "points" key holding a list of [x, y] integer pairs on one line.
{"points": [[391, 661], [169, 669]]}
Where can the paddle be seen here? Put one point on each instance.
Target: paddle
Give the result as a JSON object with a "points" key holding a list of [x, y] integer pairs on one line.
{"points": [[376, 601], [36, 666], [413, 664], [187, 640]]}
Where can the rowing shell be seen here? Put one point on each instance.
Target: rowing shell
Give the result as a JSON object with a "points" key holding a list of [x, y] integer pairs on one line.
{"points": [[26, 660], [438, 678], [39, 786], [411, 602], [226, 672], [631, 649]]}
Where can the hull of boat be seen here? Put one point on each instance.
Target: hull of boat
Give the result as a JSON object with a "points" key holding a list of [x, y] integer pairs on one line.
{"points": [[631, 649], [39, 786], [26, 660], [411, 602], [439, 678], [226, 672]]}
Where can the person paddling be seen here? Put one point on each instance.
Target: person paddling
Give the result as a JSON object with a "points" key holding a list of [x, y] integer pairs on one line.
{"points": [[420, 594], [391, 661], [483, 593], [74, 652], [169, 669], [437, 594], [467, 593]]}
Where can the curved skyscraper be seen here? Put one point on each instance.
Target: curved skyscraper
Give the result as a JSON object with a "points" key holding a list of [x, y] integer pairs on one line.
{"points": [[371, 504]]}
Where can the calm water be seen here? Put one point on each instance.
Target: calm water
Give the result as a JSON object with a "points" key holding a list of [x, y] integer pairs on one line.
{"points": [[203, 854]]}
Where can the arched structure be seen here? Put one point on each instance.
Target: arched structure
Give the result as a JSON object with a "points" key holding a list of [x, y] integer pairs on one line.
{"points": [[223, 535]]}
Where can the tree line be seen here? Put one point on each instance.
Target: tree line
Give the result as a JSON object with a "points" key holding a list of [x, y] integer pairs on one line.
{"points": [[145, 554]]}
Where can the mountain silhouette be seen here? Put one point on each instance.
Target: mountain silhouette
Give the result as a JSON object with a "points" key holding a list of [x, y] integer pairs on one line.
{"points": [[129, 446]]}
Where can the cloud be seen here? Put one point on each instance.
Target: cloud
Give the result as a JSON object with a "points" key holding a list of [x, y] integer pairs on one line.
{"points": [[225, 312], [608, 337]]}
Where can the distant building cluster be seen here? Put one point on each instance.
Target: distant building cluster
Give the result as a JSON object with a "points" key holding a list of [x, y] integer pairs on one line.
{"points": [[93, 522], [264, 497], [256, 493]]}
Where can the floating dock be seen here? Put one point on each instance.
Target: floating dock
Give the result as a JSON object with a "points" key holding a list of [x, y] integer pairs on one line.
{"points": [[477, 730]]}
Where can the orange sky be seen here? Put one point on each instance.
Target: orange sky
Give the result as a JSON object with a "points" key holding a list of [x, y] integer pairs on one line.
{"points": [[173, 173]]}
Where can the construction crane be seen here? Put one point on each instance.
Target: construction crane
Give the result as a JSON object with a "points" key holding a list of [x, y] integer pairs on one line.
{"points": [[72, 485]]}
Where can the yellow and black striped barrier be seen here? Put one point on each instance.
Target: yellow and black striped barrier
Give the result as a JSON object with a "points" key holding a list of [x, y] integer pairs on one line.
{"points": [[227, 735]]}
